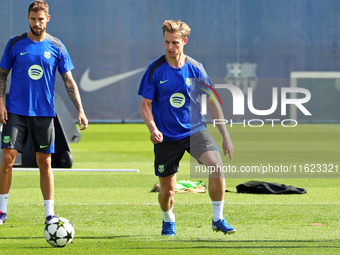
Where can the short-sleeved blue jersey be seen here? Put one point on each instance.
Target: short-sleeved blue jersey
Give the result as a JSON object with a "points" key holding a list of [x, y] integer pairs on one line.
{"points": [[33, 66], [175, 105]]}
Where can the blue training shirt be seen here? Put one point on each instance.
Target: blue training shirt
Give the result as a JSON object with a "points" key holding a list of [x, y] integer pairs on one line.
{"points": [[33, 66], [175, 105]]}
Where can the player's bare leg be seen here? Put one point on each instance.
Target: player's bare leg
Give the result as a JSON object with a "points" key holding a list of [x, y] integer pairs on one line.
{"points": [[166, 201], [217, 190], [216, 186], [6, 165], [46, 183], [166, 194], [46, 175]]}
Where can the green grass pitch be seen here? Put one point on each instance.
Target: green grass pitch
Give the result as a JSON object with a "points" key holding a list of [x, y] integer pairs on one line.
{"points": [[114, 213]]}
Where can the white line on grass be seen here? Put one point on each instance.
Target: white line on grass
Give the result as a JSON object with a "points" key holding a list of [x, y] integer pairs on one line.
{"points": [[199, 204], [77, 169], [157, 204]]}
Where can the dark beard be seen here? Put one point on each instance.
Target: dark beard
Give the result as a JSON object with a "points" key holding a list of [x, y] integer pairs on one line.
{"points": [[35, 33]]}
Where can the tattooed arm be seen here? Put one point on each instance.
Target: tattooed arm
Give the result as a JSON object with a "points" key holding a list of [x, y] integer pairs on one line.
{"points": [[3, 79], [73, 93]]}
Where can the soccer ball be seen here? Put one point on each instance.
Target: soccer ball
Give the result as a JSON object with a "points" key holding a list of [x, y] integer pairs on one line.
{"points": [[59, 232]]}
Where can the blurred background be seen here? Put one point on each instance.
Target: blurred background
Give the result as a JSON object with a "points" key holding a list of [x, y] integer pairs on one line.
{"points": [[249, 43]]}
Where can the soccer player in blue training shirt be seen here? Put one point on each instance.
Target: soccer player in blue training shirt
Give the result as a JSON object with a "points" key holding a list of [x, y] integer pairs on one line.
{"points": [[166, 108], [33, 58]]}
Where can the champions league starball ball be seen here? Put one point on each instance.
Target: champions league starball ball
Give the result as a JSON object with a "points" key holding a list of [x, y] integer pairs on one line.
{"points": [[59, 232]]}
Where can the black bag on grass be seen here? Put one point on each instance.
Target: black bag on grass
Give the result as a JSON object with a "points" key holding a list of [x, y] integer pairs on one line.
{"points": [[260, 187]]}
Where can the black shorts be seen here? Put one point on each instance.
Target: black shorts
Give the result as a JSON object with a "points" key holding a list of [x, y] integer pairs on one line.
{"points": [[40, 131], [168, 154]]}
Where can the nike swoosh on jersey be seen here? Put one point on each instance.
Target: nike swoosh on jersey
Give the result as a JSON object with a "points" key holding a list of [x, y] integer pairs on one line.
{"points": [[89, 85]]}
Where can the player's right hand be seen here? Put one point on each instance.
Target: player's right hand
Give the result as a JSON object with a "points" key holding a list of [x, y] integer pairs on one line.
{"points": [[156, 137]]}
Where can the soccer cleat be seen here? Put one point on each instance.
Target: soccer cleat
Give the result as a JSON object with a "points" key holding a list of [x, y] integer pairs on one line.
{"points": [[49, 217], [168, 228], [3, 217], [222, 225]]}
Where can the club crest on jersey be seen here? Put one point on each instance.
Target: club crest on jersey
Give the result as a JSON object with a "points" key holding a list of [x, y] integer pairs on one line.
{"points": [[47, 54], [188, 81]]}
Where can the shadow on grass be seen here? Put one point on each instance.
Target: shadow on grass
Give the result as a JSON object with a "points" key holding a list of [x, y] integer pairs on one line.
{"points": [[174, 239], [217, 244], [137, 243]]}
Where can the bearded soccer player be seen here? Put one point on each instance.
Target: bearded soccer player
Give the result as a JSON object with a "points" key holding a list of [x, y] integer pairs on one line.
{"points": [[170, 127], [33, 58]]}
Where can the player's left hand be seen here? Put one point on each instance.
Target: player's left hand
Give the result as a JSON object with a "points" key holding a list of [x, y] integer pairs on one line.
{"points": [[82, 120], [228, 147], [3, 113]]}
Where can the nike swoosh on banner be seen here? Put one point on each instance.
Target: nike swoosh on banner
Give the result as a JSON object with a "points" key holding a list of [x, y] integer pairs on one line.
{"points": [[89, 85]]}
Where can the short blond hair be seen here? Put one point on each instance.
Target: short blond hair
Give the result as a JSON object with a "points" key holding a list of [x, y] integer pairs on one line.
{"points": [[178, 27]]}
